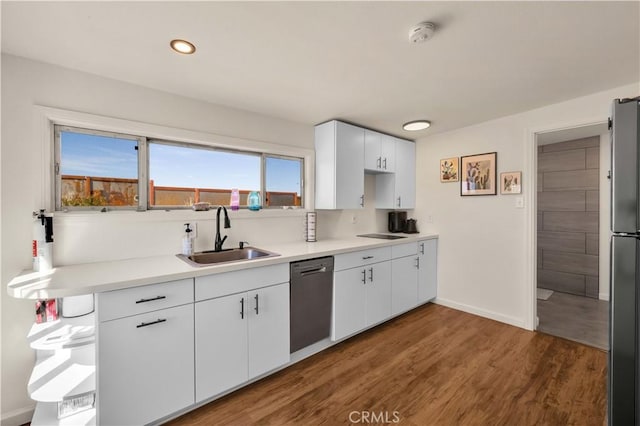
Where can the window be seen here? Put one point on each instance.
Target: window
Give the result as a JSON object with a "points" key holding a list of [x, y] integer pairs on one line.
{"points": [[99, 169], [180, 175], [283, 181], [96, 168]]}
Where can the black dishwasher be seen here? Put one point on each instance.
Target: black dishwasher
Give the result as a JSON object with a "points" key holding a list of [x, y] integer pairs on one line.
{"points": [[311, 294]]}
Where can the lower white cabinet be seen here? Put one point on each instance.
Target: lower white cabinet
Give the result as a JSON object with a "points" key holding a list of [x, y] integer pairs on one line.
{"points": [[428, 270], [405, 284], [145, 366], [362, 297], [240, 337]]}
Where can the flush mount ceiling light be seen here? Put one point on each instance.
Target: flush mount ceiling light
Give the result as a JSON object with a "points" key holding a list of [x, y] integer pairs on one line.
{"points": [[415, 125], [421, 32], [182, 46]]}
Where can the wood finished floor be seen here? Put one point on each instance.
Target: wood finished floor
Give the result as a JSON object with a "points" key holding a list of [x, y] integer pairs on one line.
{"points": [[433, 366], [578, 318]]}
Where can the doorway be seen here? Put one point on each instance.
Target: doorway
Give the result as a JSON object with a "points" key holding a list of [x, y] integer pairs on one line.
{"points": [[571, 237]]}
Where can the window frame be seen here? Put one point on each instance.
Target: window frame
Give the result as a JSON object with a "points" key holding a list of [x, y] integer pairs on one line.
{"points": [[143, 168], [264, 178], [141, 157]]}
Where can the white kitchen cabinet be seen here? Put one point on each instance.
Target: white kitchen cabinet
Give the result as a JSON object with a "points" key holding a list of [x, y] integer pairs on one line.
{"points": [[221, 344], [398, 190], [240, 337], [405, 284], [379, 152], [428, 270], [339, 171], [145, 366], [361, 295]]}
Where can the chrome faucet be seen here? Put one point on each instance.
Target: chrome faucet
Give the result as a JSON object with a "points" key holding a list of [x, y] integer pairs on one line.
{"points": [[227, 224]]}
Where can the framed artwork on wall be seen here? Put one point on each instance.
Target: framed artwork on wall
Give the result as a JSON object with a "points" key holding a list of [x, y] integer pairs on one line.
{"points": [[478, 174], [449, 170], [511, 183]]}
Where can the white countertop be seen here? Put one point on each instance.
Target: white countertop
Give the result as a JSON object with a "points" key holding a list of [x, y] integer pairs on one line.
{"points": [[97, 277]]}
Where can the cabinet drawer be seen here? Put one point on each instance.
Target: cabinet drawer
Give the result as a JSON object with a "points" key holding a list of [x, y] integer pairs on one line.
{"points": [[138, 300], [359, 258], [226, 283], [402, 250]]}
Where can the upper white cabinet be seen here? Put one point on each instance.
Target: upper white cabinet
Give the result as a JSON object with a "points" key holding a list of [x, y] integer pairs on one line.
{"points": [[344, 152], [379, 152], [398, 190], [339, 166]]}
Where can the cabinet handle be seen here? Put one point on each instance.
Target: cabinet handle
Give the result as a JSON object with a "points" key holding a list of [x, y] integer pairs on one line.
{"points": [[367, 257], [144, 324], [364, 276], [371, 274], [362, 200], [385, 164], [379, 165], [399, 201], [418, 262], [421, 248], [257, 307], [151, 300], [242, 308]]}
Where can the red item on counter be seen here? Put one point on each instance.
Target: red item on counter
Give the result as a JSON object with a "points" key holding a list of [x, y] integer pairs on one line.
{"points": [[52, 310]]}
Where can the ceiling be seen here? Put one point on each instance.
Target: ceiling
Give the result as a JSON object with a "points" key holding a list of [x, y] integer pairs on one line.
{"points": [[313, 61]]}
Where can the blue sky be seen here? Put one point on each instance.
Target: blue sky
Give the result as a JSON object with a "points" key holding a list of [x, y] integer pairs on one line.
{"points": [[169, 165]]}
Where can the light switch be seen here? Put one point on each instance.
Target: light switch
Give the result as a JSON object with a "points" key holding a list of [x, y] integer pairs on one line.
{"points": [[520, 202]]}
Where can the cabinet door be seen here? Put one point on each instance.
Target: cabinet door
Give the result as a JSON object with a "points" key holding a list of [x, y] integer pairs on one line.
{"points": [[221, 344], [372, 155], [145, 366], [428, 270], [405, 183], [378, 292], [349, 166], [404, 295], [268, 328], [388, 153], [348, 302]]}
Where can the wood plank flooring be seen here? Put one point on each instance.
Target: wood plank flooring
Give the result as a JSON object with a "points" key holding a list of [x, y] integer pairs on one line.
{"points": [[432, 366], [578, 318]]}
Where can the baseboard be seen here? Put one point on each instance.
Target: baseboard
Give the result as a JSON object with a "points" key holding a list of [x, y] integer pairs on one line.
{"points": [[603, 296], [17, 417], [481, 312]]}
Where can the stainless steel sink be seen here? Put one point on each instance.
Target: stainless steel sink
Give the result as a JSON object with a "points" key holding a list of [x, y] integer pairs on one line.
{"points": [[206, 258]]}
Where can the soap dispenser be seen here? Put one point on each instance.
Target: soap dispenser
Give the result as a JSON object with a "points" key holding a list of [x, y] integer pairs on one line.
{"points": [[187, 241]]}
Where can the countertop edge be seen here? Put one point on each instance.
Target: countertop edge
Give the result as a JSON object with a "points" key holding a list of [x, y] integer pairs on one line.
{"points": [[72, 280]]}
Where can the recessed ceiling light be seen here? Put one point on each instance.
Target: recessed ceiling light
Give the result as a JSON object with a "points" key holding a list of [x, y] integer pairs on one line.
{"points": [[412, 126], [182, 46]]}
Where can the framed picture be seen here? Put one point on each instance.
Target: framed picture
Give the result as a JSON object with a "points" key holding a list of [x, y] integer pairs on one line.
{"points": [[478, 174], [449, 170], [511, 183]]}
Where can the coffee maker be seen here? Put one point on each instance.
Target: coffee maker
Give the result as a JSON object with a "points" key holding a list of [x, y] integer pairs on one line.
{"points": [[397, 221]]}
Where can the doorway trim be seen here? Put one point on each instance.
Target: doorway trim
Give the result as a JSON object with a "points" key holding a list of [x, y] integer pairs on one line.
{"points": [[531, 199]]}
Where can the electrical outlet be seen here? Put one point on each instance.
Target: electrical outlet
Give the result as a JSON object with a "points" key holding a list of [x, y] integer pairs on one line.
{"points": [[519, 202], [194, 227], [354, 219], [429, 219]]}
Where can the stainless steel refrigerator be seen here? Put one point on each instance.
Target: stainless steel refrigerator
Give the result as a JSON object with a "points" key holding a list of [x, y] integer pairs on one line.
{"points": [[624, 337]]}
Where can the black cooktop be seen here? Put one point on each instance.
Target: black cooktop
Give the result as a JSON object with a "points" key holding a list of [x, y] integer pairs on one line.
{"points": [[382, 236]]}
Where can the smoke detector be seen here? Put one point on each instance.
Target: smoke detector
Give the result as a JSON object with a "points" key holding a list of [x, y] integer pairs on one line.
{"points": [[422, 32]]}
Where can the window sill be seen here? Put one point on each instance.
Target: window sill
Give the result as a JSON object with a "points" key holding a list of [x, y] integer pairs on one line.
{"points": [[178, 214]]}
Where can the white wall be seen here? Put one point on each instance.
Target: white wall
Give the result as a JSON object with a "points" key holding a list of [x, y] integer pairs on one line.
{"points": [[485, 258], [90, 237]]}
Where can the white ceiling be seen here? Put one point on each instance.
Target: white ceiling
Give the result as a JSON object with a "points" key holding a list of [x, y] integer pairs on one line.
{"points": [[313, 61]]}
